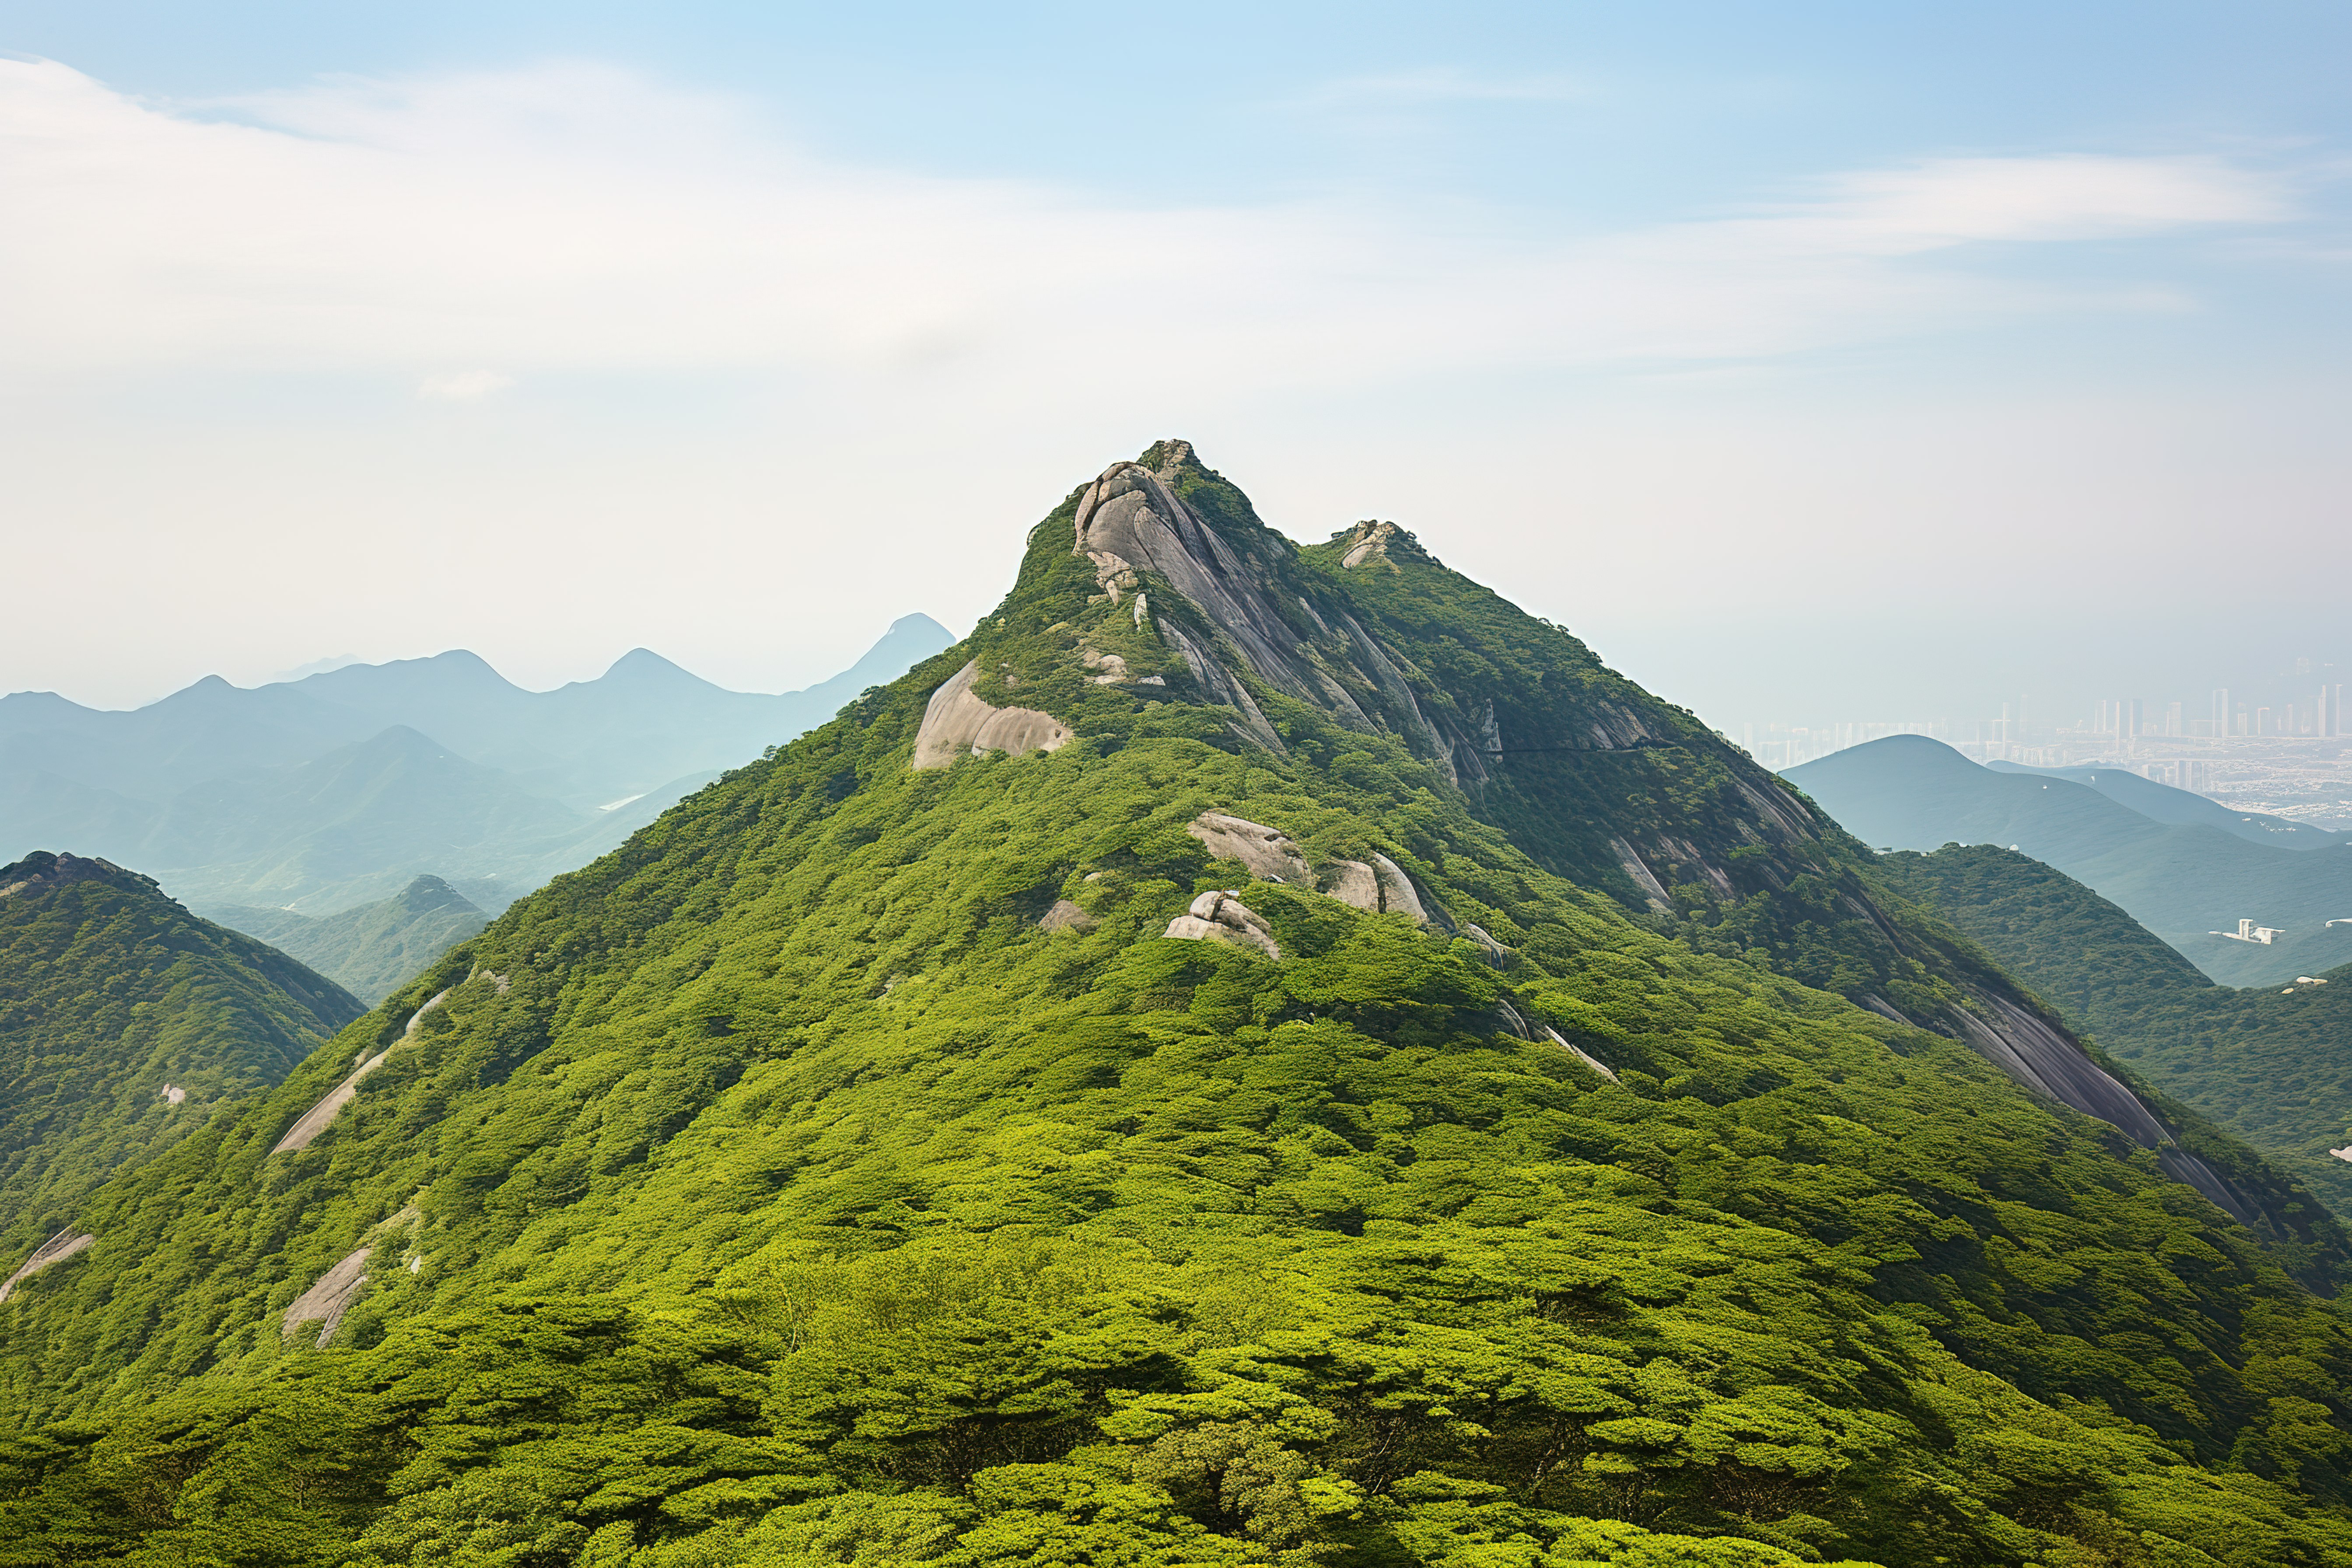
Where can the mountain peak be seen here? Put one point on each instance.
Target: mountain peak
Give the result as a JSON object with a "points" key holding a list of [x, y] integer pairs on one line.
{"points": [[642, 666], [41, 870]]}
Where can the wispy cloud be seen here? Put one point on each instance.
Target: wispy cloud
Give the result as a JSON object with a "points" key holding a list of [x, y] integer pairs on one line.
{"points": [[464, 387], [575, 216]]}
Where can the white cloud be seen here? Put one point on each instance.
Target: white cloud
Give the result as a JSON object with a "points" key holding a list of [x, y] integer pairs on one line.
{"points": [[578, 218], [465, 386]]}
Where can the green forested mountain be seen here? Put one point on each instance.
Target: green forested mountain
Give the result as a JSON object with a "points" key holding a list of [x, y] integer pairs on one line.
{"points": [[2272, 1063], [2186, 874], [371, 949], [125, 1023], [1258, 1055]]}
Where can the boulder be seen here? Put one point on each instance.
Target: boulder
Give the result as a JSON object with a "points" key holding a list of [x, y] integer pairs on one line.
{"points": [[1263, 851], [1218, 916], [1397, 896], [1067, 916], [957, 723], [1353, 882]]}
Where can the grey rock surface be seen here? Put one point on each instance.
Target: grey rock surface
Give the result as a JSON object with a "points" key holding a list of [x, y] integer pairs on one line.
{"points": [[326, 1302], [958, 723], [1218, 916], [1263, 851], [1067, 916], [1353, 882], [56, 1249], [1595, 1063], [316, 1120], [1397, 895]]}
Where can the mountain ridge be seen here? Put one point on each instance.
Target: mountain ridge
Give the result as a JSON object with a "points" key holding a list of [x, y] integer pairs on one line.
{"points": [[2188, 881], [872, 1161]]}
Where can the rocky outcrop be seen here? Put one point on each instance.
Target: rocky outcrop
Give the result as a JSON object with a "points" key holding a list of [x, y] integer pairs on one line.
{"points": [[41, 870], [1263, 851], [316, 1120], [56, 1249], [1639, 873], [326, 1302], [1220, 916], [1580, 1053], [1397, 895], [958, 723], [1380, 888], [1356, 884], [1067, 916], [1378, 544], [2044, 1060], [1131, 524]]}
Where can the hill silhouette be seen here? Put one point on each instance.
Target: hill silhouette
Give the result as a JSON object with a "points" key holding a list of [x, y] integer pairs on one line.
{"points": [[2184, 878], [340, 789]]}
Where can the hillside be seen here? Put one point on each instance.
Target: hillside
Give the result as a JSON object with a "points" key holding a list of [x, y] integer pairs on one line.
{"points": [[2163, 803], [2271, 1063], [342, 788], [375, 948], [1259, 1055], [2184, 878], [125, 1024]]}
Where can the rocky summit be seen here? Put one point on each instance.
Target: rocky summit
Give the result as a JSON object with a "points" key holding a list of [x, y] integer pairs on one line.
{"points": [[1259, 1055]]}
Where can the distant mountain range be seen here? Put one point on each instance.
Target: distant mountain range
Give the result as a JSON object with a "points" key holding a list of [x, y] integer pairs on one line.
{"points": [[340, 789], [2181, 865]]}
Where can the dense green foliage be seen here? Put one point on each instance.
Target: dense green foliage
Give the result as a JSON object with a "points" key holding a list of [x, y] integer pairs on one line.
{"points": [[2273, 1064], [371, 950], [777, 1191], [109, 992]]}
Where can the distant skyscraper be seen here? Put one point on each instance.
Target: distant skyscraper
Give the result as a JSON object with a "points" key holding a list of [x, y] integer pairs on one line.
{"points": [[2173, 724], [2132, 723], [2262, 721], [2222, 711]]}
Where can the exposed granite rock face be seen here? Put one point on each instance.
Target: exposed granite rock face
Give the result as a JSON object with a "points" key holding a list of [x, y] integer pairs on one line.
{"points": [[1132, 526], [1586, 1057], [1263, 851], [1643, 877], [957, 723], [1397, 895], [317, 1120], [326, 1302], [55, 1250], [1380, 544], [1496, 955], [1218, 916], [1067, 916], [1355, 883]]}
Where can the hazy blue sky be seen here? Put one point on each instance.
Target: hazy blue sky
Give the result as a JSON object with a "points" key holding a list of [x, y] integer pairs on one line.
{"points": [[1805, 357]]}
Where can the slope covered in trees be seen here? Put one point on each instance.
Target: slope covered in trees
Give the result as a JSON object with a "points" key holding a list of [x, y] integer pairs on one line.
{"points": [[2186, 876], [125, 1023], [853, 1169], [2272, 1063]]}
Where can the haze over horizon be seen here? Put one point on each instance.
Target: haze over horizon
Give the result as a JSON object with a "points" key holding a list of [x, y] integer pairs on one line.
{"points": [[1852, 361]]}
